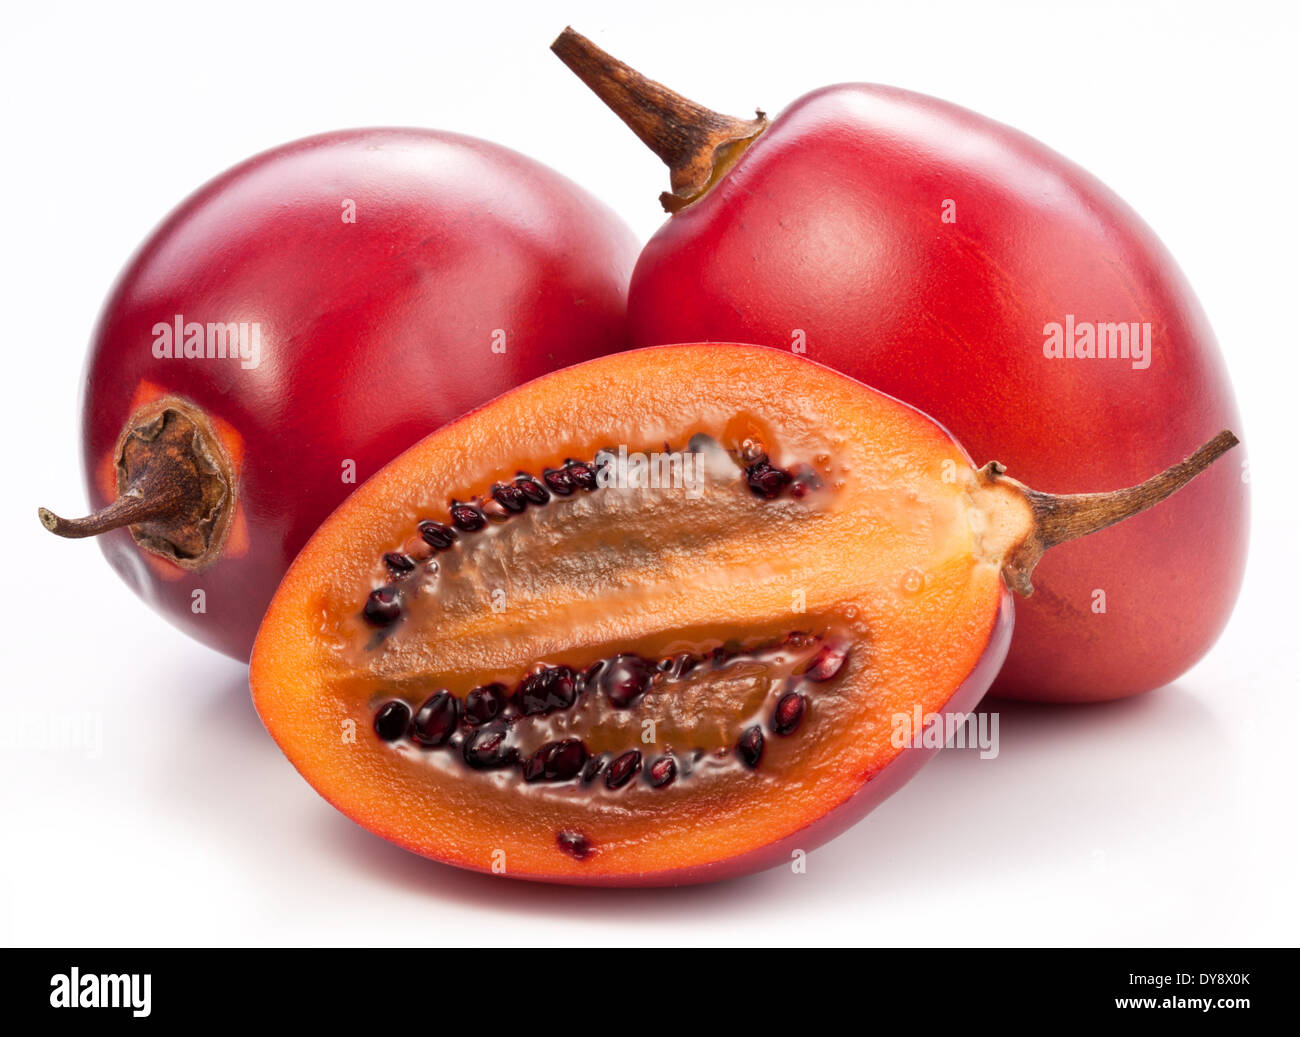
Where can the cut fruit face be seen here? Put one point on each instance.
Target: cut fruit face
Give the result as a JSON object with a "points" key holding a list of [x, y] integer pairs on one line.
{"points": [[651, 619]]}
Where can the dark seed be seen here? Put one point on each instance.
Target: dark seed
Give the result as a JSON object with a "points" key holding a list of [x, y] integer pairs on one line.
{"points": [[766, 479], [436, 720], [535, 765], [398, 563], [623, 769], [510, 497], [723, 655], [663, 772], [626, 679], [484, 704], [533, 491], [679, 666], [557, 761], [582, 474], [591, 675], [827, 663], [591, 770], [553, 688], [805, 480], [436, 535], [392, 720], [383, 606], [750, 746], [489, 747], [468, 517], [559, 481], [567, 760], [789, 713], [574, 844]]}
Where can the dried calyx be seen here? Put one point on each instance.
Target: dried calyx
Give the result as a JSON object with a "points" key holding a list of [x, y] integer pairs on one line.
{"points": [[174, 484]]}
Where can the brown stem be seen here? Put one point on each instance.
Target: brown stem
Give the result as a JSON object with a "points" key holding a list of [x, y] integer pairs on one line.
{"points": [[696, 143], [127, 510], [1058, 518], [1062, 518]]}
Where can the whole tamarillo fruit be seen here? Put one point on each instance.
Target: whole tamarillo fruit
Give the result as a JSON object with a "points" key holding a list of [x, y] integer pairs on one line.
{"points": [[961, 266], [302, 319]]}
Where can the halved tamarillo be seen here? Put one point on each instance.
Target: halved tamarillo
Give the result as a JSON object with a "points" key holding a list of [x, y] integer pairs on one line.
{"points": [[682, 658], [962, 266], [299, 321]]}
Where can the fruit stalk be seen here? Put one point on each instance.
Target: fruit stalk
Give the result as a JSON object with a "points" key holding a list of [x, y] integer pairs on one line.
{"points": [[1058, 518], [696, 143], [128, 510], [174, 487]]}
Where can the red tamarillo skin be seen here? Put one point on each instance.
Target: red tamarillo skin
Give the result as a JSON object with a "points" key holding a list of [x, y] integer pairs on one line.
{"points": [[397, 278], [925, 250]]}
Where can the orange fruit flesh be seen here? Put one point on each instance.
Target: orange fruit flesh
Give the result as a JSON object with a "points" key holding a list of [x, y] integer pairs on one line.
{"points": [[897, 554]]}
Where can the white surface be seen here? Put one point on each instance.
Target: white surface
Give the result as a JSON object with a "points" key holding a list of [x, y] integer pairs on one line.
{"points": [[1171, 818]]}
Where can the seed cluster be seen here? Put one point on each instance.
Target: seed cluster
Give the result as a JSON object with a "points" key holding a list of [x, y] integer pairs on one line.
{"points": [[481, 728], [768, 481], [383, 607]]}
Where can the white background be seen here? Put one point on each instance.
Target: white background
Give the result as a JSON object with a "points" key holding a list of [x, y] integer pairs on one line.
{"points": [[1170, 818]]}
